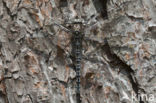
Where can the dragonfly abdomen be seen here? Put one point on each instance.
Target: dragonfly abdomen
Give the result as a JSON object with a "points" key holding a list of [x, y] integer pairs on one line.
{"points": [[78, 57]]}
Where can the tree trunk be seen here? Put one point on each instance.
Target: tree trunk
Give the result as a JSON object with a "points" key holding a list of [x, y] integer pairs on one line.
{"points": [[37, 62]]}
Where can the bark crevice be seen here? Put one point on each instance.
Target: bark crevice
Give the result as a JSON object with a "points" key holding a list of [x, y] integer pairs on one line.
{"points": [[101, 7], [123, 68], [12, 16]]}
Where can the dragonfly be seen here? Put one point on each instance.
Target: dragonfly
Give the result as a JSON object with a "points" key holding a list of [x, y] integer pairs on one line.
{"points": [[77, 38]]}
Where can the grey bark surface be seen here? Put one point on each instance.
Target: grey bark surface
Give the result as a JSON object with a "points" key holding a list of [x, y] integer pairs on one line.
{"points": [[119, 50]]}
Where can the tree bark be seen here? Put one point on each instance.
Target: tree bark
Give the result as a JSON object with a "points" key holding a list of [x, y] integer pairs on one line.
{"points": [[118, 51]]}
